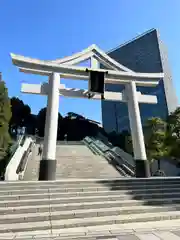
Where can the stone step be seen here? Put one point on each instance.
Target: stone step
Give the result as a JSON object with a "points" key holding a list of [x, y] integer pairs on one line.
{"points": [[52, 199], [121, 180], [85, 176], [86, 183], [87, 222], [56, 206], [43, 189], [105, 180], [55, 237], [111, 173], [31, 193], [92, 159], [77, 156], [16, 217], [61, 189], [83, 155], [84, 166], [74, 175], [95, 232], [56, 194], [79, 203], [94, 221]]}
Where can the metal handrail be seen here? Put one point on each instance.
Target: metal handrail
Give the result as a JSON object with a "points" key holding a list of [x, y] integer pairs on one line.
{"points": [[105, 151], [24, 159], [110, 154]]}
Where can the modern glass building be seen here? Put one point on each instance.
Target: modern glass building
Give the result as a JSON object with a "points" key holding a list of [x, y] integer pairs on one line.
{"points": [[146, 53]]}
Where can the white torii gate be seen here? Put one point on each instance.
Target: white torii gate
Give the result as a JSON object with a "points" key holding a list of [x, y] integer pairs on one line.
{"points": [[115, 74]]}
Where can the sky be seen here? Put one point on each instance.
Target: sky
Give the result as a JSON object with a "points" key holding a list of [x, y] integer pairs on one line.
{"points": [[50, 29]]}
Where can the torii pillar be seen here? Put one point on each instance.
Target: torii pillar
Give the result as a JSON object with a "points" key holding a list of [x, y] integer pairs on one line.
{"points": [[47, 170], [142, 169]]}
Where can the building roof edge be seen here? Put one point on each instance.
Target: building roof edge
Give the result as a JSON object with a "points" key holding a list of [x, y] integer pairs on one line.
{"points": [[133, 39]]}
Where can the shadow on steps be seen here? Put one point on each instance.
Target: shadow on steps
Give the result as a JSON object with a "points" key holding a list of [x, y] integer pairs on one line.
{"points": [[152, 191]]}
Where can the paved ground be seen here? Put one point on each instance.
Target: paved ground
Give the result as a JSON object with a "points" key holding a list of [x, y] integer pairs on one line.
{"points": [[157, 235], [153, 235]]}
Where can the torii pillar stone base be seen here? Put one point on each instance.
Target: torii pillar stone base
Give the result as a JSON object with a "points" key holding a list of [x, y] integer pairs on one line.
{"points": [[142, 168], [47, 170]]}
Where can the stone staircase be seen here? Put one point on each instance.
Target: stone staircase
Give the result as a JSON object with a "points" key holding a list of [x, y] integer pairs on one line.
{"points": [[73, 161], [87, 208], [78, 161]]}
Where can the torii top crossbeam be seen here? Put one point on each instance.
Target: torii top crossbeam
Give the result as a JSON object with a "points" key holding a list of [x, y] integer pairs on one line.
{"points": [[116, 73]]}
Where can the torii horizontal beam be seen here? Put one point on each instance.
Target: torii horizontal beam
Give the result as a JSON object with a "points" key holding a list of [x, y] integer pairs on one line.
{"points": [[145, 83], [42, 89], [115, 77]]}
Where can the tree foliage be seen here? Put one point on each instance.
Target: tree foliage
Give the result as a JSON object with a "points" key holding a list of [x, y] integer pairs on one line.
{"points": [[5, 116], [122, 140], [155, 134], [173, 133], [20, 114], [75, 126], [41, 119]]}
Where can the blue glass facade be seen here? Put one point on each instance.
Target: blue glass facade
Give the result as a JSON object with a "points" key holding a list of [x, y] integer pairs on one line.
{"points": [[143, 54]]}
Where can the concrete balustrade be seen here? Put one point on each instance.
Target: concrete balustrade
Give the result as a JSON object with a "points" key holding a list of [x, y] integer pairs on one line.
{"points": [[10, 174], [28, 158]]}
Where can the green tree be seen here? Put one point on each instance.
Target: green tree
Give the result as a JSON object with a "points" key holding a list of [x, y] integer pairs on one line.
{"points": [[41, 119], [20, 114], [5, 116], [155, 139], [173, 133], [173, 121]]}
